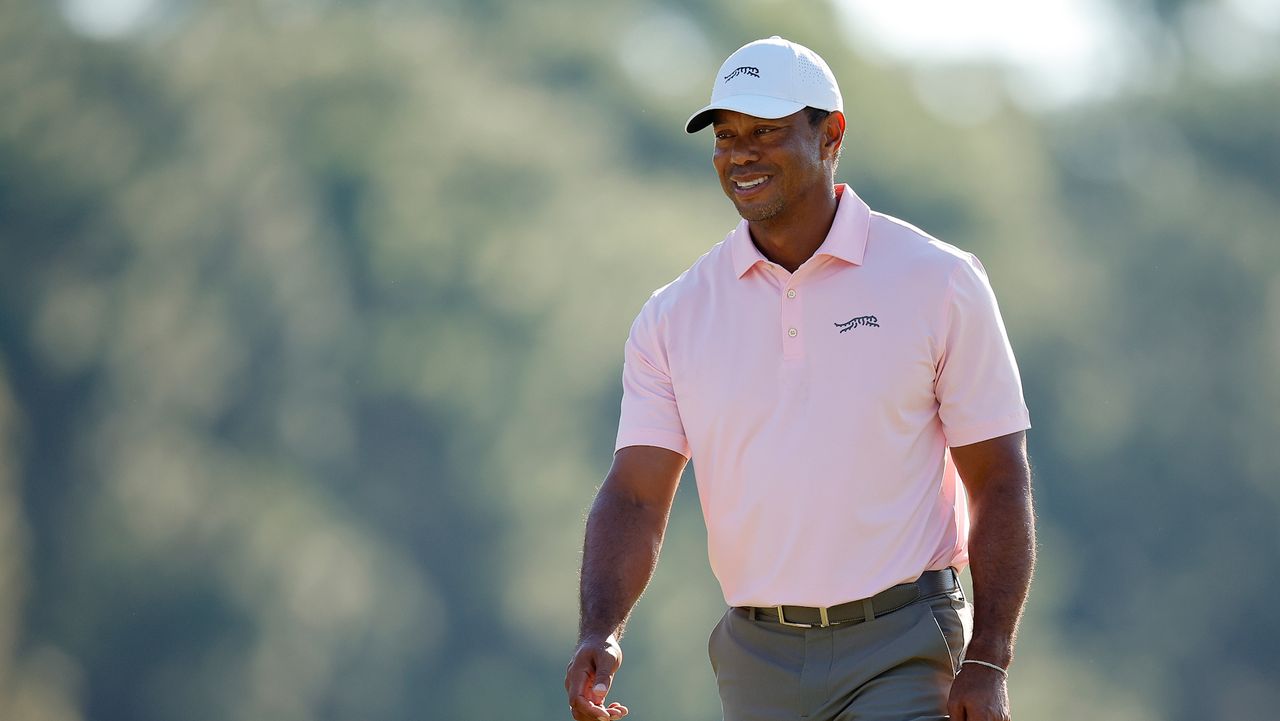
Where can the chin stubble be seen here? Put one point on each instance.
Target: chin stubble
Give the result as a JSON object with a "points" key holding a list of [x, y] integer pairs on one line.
{"points": [[765, 212]]}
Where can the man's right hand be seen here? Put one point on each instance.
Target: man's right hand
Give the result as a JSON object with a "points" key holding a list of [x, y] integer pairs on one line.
{"points": [[589, 676], [624, 533]]}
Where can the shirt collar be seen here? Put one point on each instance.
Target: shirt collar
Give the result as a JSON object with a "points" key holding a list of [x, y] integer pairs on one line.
{"points": [[847, 239]]}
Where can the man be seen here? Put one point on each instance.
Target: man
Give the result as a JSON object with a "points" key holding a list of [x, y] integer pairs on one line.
{"points": [[833, 373]]}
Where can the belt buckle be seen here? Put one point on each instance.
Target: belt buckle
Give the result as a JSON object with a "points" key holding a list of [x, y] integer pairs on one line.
{"points": [[822, 614]]}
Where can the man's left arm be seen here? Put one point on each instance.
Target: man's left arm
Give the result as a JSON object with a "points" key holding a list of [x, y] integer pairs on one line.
{"points": [[997, 479]]}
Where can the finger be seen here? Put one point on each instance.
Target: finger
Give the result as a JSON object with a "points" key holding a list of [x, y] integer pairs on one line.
{"points": [[617, 710], [603, 677], [600, 690], [575, 683], [580, 715], [586, 691], [585, 710]]}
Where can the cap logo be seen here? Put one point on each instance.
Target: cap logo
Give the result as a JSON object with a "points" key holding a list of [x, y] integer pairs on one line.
{"points": [[744, 70]]}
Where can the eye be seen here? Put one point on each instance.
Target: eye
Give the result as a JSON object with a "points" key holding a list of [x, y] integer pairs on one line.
{"points": [[763, 130]]}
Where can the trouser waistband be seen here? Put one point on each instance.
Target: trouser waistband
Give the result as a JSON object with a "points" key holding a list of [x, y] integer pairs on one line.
{"points": [[931, 583]]}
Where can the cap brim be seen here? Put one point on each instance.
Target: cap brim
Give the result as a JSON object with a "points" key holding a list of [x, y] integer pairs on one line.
{"points": [[760, 106]]}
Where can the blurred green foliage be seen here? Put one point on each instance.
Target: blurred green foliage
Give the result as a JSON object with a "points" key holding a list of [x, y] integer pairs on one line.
{"points": [[311, 319]]}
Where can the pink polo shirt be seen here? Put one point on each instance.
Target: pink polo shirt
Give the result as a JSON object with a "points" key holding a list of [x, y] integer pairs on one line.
{"points": [[818, 406]]}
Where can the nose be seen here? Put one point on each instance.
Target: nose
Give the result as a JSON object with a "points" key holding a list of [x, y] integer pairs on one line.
{"points": [[743, 150]]}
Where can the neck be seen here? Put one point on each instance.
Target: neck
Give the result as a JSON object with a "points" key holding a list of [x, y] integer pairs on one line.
{"points": [[790, 238]]}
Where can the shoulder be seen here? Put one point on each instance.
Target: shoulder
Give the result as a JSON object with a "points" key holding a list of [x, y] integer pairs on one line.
{"points": [[692, 286], [930, 271], [891, 239]]}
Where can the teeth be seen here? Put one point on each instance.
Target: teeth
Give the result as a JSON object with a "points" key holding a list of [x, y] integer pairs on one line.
{"points": [[751, 184]]}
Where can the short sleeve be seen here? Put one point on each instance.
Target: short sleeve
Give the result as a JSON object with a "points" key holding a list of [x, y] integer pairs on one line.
{"points": [[650, 415], [978, 387]]}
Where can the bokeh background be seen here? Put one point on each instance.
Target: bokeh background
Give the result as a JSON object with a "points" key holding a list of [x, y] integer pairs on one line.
{"points": [[312, 312]]}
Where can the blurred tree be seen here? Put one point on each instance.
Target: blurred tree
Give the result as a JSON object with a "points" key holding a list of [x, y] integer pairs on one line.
{"points": [[311, 317]]}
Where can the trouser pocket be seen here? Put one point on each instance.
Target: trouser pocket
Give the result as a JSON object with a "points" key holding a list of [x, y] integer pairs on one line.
{"points": [[954, 617]]}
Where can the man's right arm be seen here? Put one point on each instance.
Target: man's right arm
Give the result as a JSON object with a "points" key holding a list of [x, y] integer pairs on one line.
{"points": [[623, 539]]}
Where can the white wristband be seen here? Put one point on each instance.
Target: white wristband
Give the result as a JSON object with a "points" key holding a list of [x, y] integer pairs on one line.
{"points": [[984, 663]]}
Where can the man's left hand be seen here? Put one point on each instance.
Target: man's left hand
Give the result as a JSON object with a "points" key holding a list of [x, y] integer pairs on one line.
{"points": [[979, 694]]}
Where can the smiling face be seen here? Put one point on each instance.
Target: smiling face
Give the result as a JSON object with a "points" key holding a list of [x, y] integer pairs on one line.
{"points": [[768, 165]]}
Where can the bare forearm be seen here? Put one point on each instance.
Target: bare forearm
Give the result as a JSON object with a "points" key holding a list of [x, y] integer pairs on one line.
{"points": [[623, 539], [1002, 558]]}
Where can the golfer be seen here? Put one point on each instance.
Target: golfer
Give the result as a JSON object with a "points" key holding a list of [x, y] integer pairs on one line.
{"points": [[845, 387]]}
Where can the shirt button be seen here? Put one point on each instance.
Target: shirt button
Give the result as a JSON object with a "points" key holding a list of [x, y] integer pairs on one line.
{"points": [[791, 292], [792, 332]]}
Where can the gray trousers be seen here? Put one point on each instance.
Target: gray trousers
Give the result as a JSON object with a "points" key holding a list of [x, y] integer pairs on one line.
{"points": [[897, 667]]}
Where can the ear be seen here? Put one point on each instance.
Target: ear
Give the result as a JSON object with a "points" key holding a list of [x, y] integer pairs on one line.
{"points": [[832, 134]]}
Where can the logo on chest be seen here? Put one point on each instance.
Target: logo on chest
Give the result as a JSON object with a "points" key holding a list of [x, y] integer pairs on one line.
{"points": [[869, 321]]}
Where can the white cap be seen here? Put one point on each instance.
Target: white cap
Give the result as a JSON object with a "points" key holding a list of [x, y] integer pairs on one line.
{"points": [[770, 78]]}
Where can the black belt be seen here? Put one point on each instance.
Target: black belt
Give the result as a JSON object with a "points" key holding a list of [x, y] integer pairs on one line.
{"points": [[932, 583]]}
